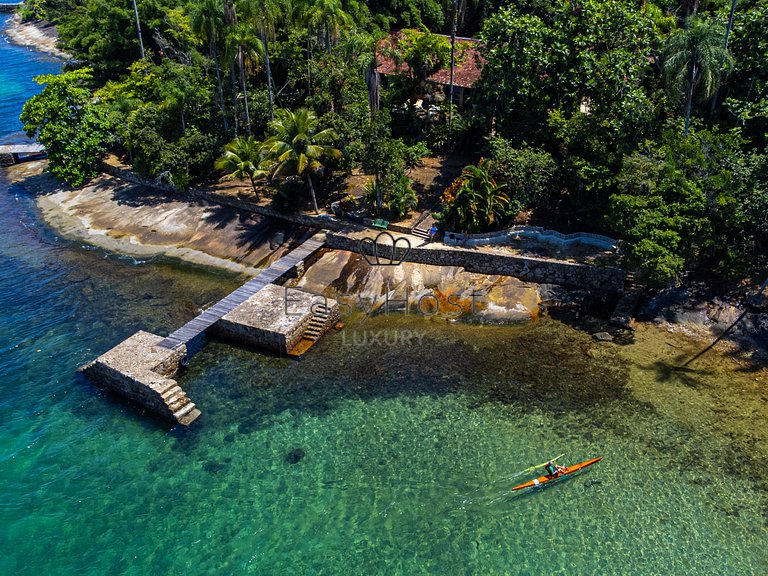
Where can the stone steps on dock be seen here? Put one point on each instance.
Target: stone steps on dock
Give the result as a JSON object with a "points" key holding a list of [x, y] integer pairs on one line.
{"points": [[143, 371], [318, 325], [187, 414]]}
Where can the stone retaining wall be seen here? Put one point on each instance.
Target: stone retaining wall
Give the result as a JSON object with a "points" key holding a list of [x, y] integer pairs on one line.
{"points": [[540, 271]]}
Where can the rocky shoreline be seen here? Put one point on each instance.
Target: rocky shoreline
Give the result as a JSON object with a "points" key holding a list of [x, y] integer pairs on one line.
{"points": [[130, 219], [39, 35]]}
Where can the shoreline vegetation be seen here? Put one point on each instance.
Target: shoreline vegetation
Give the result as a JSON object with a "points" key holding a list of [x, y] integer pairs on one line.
{"points": [[686, 194], [37, 34], [134, 220], [667, 150]]}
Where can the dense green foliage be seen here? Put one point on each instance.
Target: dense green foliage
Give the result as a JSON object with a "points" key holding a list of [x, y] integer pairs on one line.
{"points": [[615, 116], [474, 201], [74, 131], [296, 146]]}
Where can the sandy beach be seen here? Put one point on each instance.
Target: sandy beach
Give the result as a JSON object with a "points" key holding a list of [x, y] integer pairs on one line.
{"points": [[39, 35]]}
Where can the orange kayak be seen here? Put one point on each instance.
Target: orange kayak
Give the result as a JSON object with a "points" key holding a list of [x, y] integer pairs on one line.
{"points": [[541, 480]]}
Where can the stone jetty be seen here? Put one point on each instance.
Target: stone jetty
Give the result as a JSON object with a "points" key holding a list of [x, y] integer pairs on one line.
{"points": [[281, 319], [278, 318], [142, 371]]}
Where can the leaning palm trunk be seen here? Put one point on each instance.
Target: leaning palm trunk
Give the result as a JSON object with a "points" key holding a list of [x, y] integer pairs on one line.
{"points": [[241, 63], [688, 104], [269, 75], [312, 192]]}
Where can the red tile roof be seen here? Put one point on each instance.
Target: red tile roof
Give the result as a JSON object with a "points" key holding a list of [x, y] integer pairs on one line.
{"points": [[469, 61]]}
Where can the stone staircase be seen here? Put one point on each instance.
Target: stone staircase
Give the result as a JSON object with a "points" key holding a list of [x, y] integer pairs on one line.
{"points": [[421, 233], [142, 371], [183, 409], [318, 324]]}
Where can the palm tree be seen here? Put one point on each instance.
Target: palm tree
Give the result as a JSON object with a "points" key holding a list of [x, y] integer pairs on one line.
{"points": [[207, 20], [326, 16], [296, 146], [242, 157], [138, 29], [243, 45], [264, 15], [474, 200], [692, 62]]}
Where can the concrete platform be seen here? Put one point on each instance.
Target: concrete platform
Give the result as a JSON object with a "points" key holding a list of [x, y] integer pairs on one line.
{"points": [[142, 371], [278, 318]]}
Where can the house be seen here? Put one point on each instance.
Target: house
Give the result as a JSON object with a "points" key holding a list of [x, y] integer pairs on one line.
{"points": [[468, 65]]}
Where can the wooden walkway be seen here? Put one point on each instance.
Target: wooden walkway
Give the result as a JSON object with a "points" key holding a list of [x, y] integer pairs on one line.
{"points": [[209, 317]]}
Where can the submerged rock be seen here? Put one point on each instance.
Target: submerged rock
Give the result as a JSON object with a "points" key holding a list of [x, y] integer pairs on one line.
{"points": [[295, 456]]}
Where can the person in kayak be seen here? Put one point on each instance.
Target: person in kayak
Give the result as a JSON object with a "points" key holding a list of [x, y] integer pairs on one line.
{"points": [[553, 469]]}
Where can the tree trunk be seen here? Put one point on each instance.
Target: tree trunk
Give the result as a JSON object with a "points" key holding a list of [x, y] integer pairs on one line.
{"points": [[234, 95], [453, 66], [309, 65], [312, 192], [727, 34], [183, 122], [138, 29], [253, 185], [241, 63], [269, 75], [327, 37], [218, 82], [372, 80], [690, 95]]}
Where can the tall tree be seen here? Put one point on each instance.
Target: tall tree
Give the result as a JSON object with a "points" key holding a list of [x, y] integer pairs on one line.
{"points": [[327, 17], [297, 147], [244, 47], [692, 63], [75, 130], [207, 21], [138, 28], [264, 15]]}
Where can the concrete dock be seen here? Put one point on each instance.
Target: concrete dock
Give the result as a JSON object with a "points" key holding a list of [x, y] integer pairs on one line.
{"points": [[142, 371], [261, 314]]}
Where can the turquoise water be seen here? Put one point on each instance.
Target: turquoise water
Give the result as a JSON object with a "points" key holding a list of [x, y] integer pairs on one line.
{"points": [[18, 66], [391, 458]]}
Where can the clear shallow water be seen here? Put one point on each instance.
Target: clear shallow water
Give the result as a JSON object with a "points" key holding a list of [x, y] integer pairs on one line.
{"points": [[18, 65], [408, 451]]}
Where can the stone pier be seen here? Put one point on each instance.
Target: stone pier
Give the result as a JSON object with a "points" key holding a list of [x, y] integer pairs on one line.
{"points": [[142, 371], [279, 318]]}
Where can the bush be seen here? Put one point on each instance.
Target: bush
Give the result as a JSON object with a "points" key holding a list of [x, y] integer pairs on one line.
{"points": [[529, 173]]}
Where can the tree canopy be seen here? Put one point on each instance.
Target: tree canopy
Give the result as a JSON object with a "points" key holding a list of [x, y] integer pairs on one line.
{"points": [[644, 120]]}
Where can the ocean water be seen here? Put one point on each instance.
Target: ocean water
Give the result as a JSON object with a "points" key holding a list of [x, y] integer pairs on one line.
{"points": [[372, 454], [18, 66]]}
